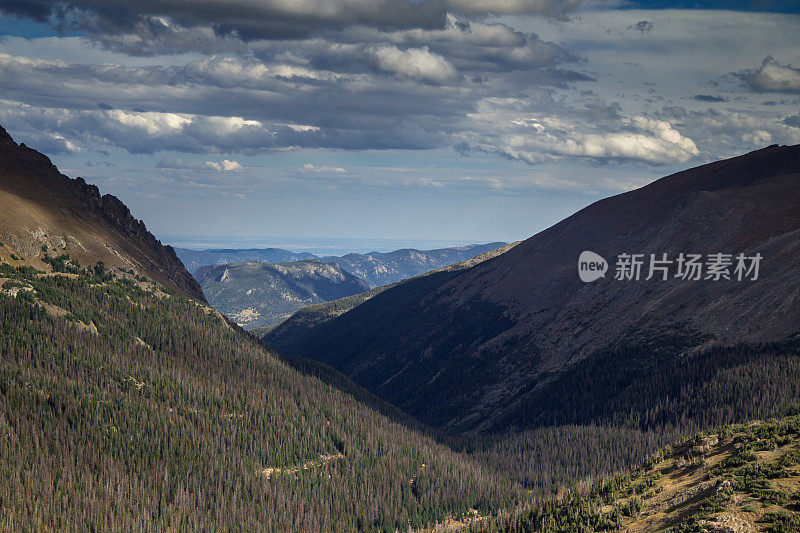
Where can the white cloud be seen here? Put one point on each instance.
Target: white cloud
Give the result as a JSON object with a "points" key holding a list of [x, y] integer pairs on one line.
{"points": [[323, 168], [539, 137], [417, 63], [772, 76], [225, 165]]}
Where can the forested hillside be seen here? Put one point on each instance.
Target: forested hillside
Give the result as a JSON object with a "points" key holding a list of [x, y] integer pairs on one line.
{"points": [[126, 407]]}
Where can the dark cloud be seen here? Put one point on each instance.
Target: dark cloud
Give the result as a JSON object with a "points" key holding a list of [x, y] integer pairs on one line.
{"points": [[261, 19], [793, 121], [708, 98], [642, 26]]}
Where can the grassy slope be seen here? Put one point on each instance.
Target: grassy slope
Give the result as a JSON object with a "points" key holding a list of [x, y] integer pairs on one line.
{"points": [[744, 477], [125, 407]]}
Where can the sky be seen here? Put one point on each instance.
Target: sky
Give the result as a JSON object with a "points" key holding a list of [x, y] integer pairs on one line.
{"points": [[256, 122]]}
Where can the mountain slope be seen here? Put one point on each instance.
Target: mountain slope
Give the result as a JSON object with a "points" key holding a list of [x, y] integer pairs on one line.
{"points": [[524, 328], [263, 294], [194, 259], [729, 479], [43, 212], [124, 407]]}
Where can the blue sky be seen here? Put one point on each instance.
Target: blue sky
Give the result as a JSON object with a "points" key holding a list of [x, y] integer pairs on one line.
{"points": [[445, 120]]}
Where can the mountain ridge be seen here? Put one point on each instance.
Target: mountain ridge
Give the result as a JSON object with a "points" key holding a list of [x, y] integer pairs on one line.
{"points": [[44, 211]]}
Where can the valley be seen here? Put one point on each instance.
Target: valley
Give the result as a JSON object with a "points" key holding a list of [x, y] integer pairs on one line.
{"points": [[126, 399]]}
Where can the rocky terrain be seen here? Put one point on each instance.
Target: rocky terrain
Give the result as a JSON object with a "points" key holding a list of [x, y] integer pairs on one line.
{"points": [[494, 346], [262, 294], [46, 214]]}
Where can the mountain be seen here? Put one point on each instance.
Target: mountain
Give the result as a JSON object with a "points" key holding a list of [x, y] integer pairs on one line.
{"points": [[46, 214], [519, 341], [262, 294], [378, 268], [383, 268], [313, 316], [128, 403], [194, 259]]}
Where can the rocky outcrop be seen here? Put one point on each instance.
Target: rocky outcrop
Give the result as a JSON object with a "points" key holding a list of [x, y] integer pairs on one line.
{"points": [[42, 207]]}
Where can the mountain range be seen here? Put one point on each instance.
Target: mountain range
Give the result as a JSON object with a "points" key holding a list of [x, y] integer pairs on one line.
{"points": [[194, 259], [541, 347], [376, 268]]}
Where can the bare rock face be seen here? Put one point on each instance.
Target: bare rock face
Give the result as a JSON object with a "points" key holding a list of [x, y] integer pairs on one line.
{"points": [[488, 347], [40, 207]]}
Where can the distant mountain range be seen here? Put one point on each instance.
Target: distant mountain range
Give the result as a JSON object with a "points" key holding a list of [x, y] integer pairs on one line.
{"points": [[377, 268], [382, 268], [313, 316], [258, 297], [519, 341], [262, 294], [194, 259]]}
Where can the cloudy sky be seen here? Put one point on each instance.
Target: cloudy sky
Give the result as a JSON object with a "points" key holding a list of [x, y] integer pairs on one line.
{"points": [[449, 120]]}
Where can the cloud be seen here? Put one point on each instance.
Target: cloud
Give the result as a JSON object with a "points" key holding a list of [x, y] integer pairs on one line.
{"points": [[324, 169], [774, 77], [642, 26], [555, 9], [166, 22], [225, 165], [249, 19], [304, 93], [522, 133], [417, 63], [708, 98]]}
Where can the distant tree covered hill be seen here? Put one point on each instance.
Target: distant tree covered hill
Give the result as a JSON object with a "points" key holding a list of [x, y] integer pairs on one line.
{"points": [[382, 268], [263, 294]]}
